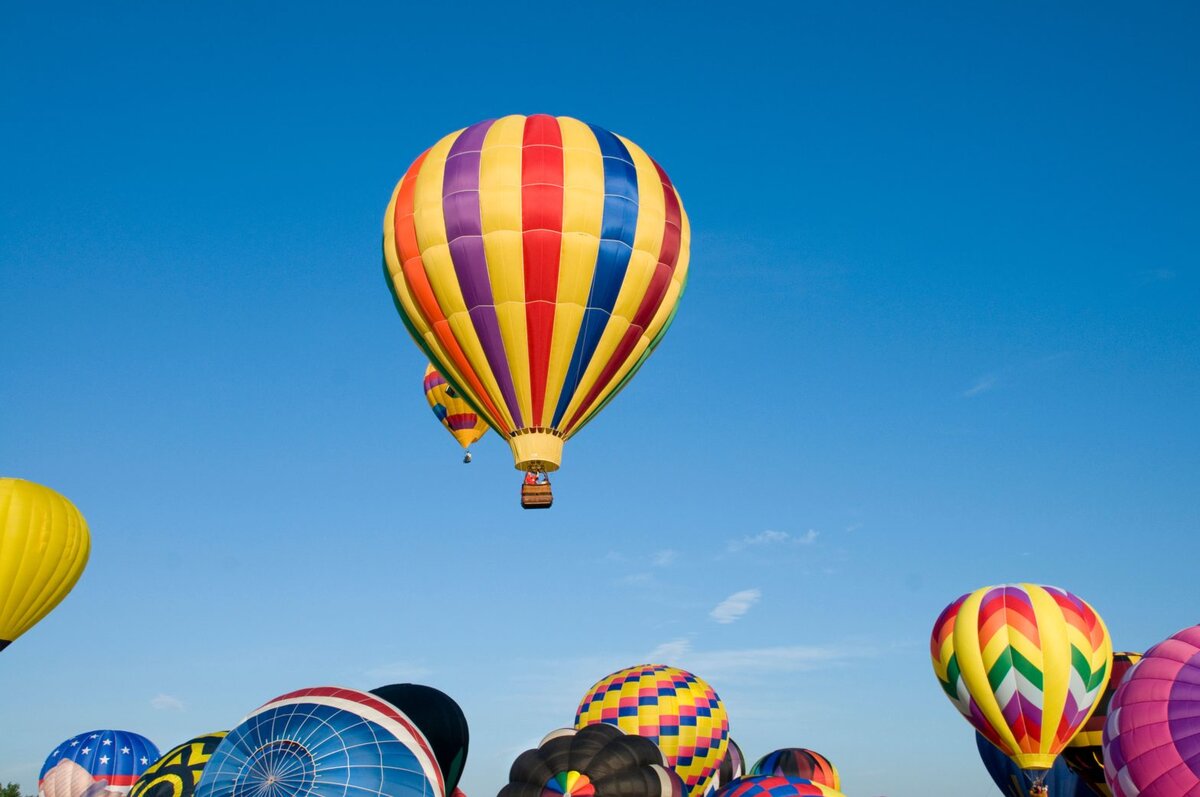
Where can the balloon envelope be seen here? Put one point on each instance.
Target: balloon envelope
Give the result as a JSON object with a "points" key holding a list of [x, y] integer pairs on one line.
{"points": [[776, 786], [452, 410], [537, 261], [1152, 737], [1013, 782], [44, 545], [799, 762], [672, 708], [177, 771], [1025, 664], [440, 719], [1084, 754], [596, 761], [330, 741], [94, 762], [733, 765]]}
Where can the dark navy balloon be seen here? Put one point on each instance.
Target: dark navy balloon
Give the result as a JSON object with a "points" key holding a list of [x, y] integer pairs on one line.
{"points": [[96, 762], [1012, 782], [440, 719]]}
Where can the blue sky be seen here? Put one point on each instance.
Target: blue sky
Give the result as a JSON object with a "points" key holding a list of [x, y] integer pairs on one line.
{"points": [[941, 331]]}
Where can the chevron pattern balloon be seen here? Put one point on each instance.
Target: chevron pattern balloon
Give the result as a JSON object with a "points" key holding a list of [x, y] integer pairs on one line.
{"points": [[1025, 664]]}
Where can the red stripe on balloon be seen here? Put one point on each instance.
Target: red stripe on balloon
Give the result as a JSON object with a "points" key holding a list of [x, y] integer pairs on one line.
{"points": [[541, 240], [413, 268], [656, 291]]}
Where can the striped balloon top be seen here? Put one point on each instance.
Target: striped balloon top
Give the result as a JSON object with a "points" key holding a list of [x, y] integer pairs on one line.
{"points": [[537, 261]]}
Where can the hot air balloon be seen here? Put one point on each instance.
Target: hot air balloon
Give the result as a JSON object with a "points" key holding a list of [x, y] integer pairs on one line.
{"points": [[596, 761], [1026, 665], [96, 763], [459, 418], [328, 740], [1152, 737], [733, 765], [537, 261], [178, 771], [44, 546], [440, 719], [798, 762], [776, 786], [672, 708], [1084, 753], [1011, 781]]}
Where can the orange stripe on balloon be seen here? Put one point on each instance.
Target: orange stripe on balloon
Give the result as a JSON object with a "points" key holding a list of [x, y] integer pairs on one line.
{"points": [[418, 281]]}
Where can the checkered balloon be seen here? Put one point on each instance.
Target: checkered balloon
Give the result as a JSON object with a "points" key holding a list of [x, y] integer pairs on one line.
{"points": [[672, 708], [776, 786]]}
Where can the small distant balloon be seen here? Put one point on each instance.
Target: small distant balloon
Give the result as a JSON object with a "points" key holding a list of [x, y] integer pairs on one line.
{"points": [[453, 411]]}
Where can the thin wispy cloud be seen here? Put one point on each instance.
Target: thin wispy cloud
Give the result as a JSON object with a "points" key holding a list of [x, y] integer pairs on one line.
{"points": [[665, 557], [771, 537], [669, 652], [735, 606], [1158, 274], [982, 385], [164, 702]]}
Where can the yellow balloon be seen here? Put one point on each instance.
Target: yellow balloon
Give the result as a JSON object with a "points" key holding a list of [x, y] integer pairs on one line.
{"points": [[44, 547]]}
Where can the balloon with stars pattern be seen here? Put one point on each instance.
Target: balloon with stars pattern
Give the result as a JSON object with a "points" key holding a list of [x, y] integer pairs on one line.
{"points": [[95, 763], [672, 708], [324, 741], [596, 761], [776, 786], [178, 771]]}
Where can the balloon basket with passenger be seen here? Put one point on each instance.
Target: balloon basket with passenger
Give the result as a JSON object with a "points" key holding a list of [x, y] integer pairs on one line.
{"points": [[535, 491]]}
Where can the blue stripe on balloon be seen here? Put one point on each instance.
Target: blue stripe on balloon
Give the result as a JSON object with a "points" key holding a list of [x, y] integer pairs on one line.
{"points": [[617, 226]]}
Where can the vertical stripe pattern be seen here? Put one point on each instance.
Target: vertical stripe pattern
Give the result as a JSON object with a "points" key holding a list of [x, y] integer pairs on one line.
{"points": [[537, 261]]}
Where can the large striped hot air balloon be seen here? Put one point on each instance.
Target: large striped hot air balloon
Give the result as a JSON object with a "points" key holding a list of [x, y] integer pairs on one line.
{"points": [[1025, 664], [672, 708], [1152, 736], [537, 261], [44, 545]]}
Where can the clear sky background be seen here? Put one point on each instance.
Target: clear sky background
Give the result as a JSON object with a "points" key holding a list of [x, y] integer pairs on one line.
{"points": [[941, 331]]}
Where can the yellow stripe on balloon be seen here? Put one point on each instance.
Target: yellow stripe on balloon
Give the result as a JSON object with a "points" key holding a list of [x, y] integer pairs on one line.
{"points": [[583, 210], [439, 265], [1055, 664], [500, 212], [974, 673]]}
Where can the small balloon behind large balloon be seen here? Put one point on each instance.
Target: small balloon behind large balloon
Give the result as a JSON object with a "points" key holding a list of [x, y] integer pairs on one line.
{"points": [[799, 762], [1084, 754], [177, 771], [324, 740], [1012, 781], [1151, 739], [776, 786], [102, 763], [676, 710], [44, 546], [596, 761], [453, 411], [440, 719]]}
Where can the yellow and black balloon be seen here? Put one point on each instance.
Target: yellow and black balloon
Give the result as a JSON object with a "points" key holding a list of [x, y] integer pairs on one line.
{"points": [[44, 546], [178, 771]]}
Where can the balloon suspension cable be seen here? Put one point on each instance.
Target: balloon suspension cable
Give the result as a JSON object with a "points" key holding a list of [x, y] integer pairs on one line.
{"points": [[1037, 785]]}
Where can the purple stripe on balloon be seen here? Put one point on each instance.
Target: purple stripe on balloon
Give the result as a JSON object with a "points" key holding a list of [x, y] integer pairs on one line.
{"points": [[464, 231], [1183, 713], [1018, 706]]}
